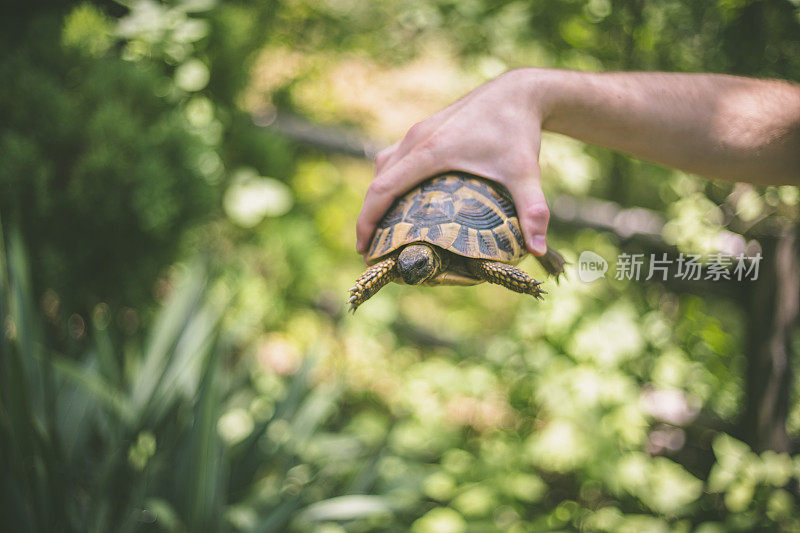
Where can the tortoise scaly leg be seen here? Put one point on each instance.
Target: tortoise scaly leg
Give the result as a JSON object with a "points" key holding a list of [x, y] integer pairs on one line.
{"points": [[508, 276], [371, 281]]}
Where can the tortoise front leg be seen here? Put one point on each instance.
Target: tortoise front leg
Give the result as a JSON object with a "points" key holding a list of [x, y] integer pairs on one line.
{"points": [[371, 281], [508, 276]]}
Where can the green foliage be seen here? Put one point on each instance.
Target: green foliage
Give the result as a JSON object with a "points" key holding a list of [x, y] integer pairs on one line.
{"points": [[99, 171], [160, 439], [87, 29]]}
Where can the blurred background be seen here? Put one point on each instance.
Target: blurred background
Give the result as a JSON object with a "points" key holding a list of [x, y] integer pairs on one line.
{"points": [[179, 184]]}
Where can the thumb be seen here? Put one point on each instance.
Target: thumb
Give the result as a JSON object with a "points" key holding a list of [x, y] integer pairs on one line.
{"points": [[532, 211]]}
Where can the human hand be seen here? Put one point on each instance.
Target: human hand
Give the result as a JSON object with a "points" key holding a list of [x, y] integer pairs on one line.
{"points": [[493, 132]]}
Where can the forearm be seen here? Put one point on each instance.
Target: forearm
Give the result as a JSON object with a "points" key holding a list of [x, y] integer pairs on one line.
{"points": [[728, 127]]}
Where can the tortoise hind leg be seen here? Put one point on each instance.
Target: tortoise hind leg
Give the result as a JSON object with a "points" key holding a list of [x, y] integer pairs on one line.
{"points": [[553, 262], [508, 276], [371, 281]]}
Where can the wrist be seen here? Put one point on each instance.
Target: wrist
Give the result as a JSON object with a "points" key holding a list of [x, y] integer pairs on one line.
{"points": [[547, 91]]}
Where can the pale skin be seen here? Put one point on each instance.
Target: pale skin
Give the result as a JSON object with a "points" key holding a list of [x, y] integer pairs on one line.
{"points": [[716, 126]]}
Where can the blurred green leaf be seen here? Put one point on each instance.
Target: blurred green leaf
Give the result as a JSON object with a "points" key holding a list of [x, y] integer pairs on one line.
{"points": [[92, 383], [345, 508]]}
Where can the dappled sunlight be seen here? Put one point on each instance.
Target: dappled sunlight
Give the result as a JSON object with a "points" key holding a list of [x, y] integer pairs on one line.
{"points": [[610, 340], [559, 446], [278, 354], [384, 100], [251, 197], [672, 406], [661, 484]]}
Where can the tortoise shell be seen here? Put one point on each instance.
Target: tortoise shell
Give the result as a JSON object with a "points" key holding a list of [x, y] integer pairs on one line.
{"points": [[461, 213]]}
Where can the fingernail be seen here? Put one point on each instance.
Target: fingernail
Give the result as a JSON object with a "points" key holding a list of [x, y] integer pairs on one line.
{"points": [[539, 244]]}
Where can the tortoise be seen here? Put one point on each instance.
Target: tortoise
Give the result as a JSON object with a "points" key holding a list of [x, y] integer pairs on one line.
{"points": [[452, 229]]}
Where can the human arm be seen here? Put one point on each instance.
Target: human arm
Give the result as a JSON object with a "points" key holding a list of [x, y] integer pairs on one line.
{"points": [[718, 126]]}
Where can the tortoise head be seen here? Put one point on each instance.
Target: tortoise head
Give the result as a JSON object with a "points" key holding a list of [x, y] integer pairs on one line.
{"points": [[418, 263]]}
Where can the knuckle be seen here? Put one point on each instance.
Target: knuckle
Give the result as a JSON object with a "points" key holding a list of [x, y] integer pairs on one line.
{"points": [[382, 156], [538, 212], [427, 145], [428, 148], [379, 187], [415, 130]]}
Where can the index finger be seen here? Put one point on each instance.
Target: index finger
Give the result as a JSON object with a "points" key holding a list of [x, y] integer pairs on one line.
{"points": [[388, 186], [384, 157]]}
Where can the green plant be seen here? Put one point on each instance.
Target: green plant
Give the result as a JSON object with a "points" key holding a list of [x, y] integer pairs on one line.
{"points": [[100, 173], [135, 437]]}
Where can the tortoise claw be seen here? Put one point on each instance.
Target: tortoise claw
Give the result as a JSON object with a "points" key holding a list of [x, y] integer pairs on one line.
{"points": [[353, 303]]}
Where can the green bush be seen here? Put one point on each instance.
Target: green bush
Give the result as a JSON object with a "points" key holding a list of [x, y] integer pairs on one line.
{"points": [[99, 171]]}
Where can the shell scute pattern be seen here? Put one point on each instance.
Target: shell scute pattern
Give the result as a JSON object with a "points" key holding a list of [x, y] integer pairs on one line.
{"points": [[464, 214], [474, 214], [391, 218]]}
